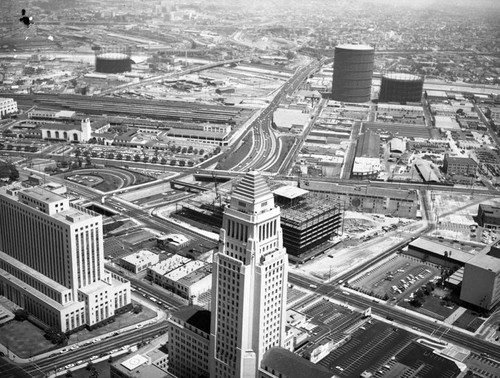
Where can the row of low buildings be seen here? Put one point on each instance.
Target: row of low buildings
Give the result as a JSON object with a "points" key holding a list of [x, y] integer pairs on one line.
{"points": [[181, 275], [66, 126]]}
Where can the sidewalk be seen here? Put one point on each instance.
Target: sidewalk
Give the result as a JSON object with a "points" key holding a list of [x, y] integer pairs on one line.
{"points": [[455, 315]]}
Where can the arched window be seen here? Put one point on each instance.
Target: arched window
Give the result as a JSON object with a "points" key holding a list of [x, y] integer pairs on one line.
{"points": [[65, 135], [49, 135], [57, 134], [75, 136]]}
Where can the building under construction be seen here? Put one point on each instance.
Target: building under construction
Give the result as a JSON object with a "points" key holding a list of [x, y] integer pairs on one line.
{"points": [[306, 221]]}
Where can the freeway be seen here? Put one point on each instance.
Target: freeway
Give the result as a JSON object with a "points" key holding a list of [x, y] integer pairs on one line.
{"points": [[267, 146], [142, 215]]}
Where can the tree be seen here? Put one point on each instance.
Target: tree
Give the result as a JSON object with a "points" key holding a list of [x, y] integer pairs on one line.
{"points": [[90, 366], [190, 150], [217, 150], [137, 308], [190, 163], [14, 173], [202, 151], [416, 302], [179, 149], [154, 160], [78, 152], [137, 157], [119, 156], [184, 150], [173, 162], [94, 373], [182, 163], [145, 159], [128, 157], [21, 314], [69, 373], [163, 161], [195, 151], [93, 154]]}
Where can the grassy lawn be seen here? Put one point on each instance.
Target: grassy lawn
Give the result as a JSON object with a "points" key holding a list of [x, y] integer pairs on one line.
{"points": [[109, 183], [24, 339], [432, 307], [469, 321]]}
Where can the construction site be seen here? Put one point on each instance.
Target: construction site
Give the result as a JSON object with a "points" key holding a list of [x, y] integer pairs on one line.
{"points": [[307, 221]]}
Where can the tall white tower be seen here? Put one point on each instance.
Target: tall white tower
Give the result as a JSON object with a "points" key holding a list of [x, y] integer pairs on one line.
{"points": [[249, 282]]}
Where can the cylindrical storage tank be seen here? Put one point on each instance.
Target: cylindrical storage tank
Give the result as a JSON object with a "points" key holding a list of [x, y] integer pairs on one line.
{"points": [[401, 87], [113, 59], [352, 73]]}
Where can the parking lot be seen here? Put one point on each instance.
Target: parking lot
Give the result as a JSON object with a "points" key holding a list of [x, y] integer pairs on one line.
{"points": [[371, 347], [396, 278]]}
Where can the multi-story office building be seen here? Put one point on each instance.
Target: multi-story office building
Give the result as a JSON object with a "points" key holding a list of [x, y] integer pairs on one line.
{"points": [[52, 260], [481, 280], [249, 282], [189, 337]]}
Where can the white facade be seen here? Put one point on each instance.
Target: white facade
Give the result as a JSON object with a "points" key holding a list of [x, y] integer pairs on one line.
{"points": [[7, 106], [52, 260], [249, 282], [67, 132], [137, 262]]}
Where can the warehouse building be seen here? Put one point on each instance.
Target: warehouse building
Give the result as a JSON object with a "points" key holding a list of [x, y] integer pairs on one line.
{"points": [[368, 199], [456, 165], [488, 217], [140, 261]]}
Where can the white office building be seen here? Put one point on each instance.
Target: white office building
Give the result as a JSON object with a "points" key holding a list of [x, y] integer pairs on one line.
{"points": [[249, 282], [52, 260], [7, 106]]}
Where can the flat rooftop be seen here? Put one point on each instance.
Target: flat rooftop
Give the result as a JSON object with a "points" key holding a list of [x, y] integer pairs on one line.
{"points": [[43, 195], [184, 270], [170, 264], [439, 248], [196, 316], [290, 192], [140, 257], [196, 275]]}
